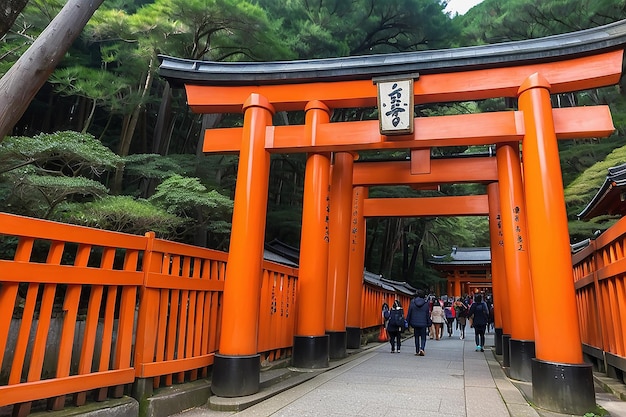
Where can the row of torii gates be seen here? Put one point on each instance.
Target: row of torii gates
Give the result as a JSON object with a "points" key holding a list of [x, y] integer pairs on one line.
{"points": [[532, 269]]}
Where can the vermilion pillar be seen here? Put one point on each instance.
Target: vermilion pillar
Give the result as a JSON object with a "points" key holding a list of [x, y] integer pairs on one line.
{"points": [[501, 302], [340, 217], [457, 285], [355, 268], [560, 380], [236, 369], [311, 347], [517, 266]]}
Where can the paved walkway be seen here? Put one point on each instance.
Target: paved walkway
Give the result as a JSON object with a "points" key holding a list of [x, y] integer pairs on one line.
{"points": [[451, 380]]}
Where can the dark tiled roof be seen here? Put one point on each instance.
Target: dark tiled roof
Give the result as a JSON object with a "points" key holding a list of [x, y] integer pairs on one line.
{"points": [[463, 256], [576, 247], [376, 280], [400, 286], [271, 256], [282, 249], [610, 197]]}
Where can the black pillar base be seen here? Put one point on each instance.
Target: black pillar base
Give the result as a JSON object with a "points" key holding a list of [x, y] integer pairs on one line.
{"points": [[563, 388], [235, 376], [498, 340], [353, 335], [310, 352], [338, 343], [506, 350], [522, 355]]}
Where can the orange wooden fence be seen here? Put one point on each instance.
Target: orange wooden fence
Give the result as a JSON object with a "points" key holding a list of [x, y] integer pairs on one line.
{"points": [[62, 274], [86, 312], [600, 282]]}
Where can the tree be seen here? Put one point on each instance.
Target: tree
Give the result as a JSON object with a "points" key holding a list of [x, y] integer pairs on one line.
{"points": [[495, 21], [124, 214], [189, 199], [9, 13], [332, 28], [20, 84], [40, 173], [195, 29]]}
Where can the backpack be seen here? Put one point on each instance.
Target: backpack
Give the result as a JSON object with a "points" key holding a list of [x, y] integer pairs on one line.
{"points": [[396, 319], [461, 311]]}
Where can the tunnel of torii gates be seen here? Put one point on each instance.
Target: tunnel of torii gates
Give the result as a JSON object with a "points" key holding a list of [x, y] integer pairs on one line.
{"points": [[524, 201]]}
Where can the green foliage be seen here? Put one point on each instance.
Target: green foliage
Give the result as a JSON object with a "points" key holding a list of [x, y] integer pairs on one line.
{"points": [[124, 214], [584, 187], [495, 21], [86, 82], [461, 231], [38, 195], [154, 166], [183, 195], [65, 153], [580, 230], [41, 172], [578, 155], [188, 199], [331, 28], [29, 24]]}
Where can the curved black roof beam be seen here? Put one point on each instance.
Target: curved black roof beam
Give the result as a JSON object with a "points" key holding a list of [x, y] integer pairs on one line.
{"points": [[552, 48]]}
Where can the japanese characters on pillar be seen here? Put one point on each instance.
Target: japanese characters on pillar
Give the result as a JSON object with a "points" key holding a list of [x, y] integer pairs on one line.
{"points": [[327, 217], [500, 234], [395, 105], [519, 241], [355, 221]]}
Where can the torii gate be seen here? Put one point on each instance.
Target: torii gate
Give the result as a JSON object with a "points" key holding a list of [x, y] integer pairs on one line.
{"points": [[526, 208]]}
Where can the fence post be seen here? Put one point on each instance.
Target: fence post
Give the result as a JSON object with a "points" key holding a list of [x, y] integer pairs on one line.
{"points": [[146, 330]]}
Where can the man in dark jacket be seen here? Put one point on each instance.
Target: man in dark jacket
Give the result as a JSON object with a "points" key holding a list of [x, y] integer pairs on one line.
{"points": [[418, 317], [479, 312]]}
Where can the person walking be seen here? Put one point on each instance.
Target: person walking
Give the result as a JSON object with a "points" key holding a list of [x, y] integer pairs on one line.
{"points": [[479, 312], [395, 325], [418, 317], [450, 316], [460, 310], [438, 318]]}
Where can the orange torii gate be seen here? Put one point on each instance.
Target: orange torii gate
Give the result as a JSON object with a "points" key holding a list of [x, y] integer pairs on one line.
{"points": [[460, 170], [520, 211]]}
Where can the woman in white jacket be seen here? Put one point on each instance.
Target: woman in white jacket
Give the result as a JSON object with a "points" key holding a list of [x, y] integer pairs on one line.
{"points": [[438, 317]]}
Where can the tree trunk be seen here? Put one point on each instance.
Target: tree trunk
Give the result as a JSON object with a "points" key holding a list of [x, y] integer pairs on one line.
{"points": [[393, 240], [8, 13], [160, 143], [129, 131], [20, 84]]}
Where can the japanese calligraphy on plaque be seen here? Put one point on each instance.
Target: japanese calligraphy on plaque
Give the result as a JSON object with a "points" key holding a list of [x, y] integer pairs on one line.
{"points": [[395, 106]]}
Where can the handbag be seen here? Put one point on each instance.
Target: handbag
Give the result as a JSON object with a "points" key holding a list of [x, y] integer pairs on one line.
{"points": [[382, 335]]}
